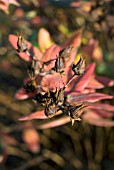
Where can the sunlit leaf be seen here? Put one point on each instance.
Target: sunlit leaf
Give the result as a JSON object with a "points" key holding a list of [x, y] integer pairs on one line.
{"points": [[44, 39]]}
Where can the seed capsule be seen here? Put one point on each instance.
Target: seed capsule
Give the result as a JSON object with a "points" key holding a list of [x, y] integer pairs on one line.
{"points": [[79, 68], [21, 44], [50, 109], [31, 85], [65, 53], [59, 65], [76, 111]]}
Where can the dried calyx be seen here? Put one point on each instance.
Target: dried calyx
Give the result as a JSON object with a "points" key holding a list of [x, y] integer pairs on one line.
{"points": [[30, 85], [62, 56], [79, 67], [21, 44]]}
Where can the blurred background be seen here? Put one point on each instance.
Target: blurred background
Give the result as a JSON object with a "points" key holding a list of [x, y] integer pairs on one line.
{"points": [[83, 146]]}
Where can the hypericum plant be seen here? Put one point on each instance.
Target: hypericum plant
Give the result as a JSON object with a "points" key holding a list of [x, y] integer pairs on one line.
{"points": [[60, 85]]}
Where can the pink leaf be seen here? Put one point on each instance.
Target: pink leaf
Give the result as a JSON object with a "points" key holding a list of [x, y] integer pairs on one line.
{"points": [[4, 6], [94, 84], [101, 106], [31, 138], [103, 113], [35, 115], [55, 123], [52, 81], [93, 118], [25, 56], [22, 95], [91, 97], [14, 2]]}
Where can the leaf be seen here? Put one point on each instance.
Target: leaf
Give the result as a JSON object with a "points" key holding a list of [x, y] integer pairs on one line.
{"points": [[71, 58], [86, 6], [35, 115], [74, 40], [22, 95], [101, 106], [89, 48], [105, 81], [14, 2], [103, 113], [50, 56], [94, 84], [52, 81], [44, 39], [91, 97], [31, 138], [25, 56], [93, 118], [4, 5], [55, 123]]}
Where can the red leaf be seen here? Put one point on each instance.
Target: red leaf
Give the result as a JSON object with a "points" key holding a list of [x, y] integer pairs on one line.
{"points": [[105, 81], [89, 48], [91, 97], [93, 118], [74, 40], [71, 58], [50, 56], [25, 56], [55, 123]]}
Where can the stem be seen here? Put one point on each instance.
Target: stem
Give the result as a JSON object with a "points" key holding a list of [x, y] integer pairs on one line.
{"points": [[69, 81]]}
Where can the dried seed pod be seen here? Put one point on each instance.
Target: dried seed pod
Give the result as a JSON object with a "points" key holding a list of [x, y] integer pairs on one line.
{"points": [[31, 85], [59, 95], [76, 111], [65, 53], [59, 65], [21, 44], [50, 109], [79, 68]]}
